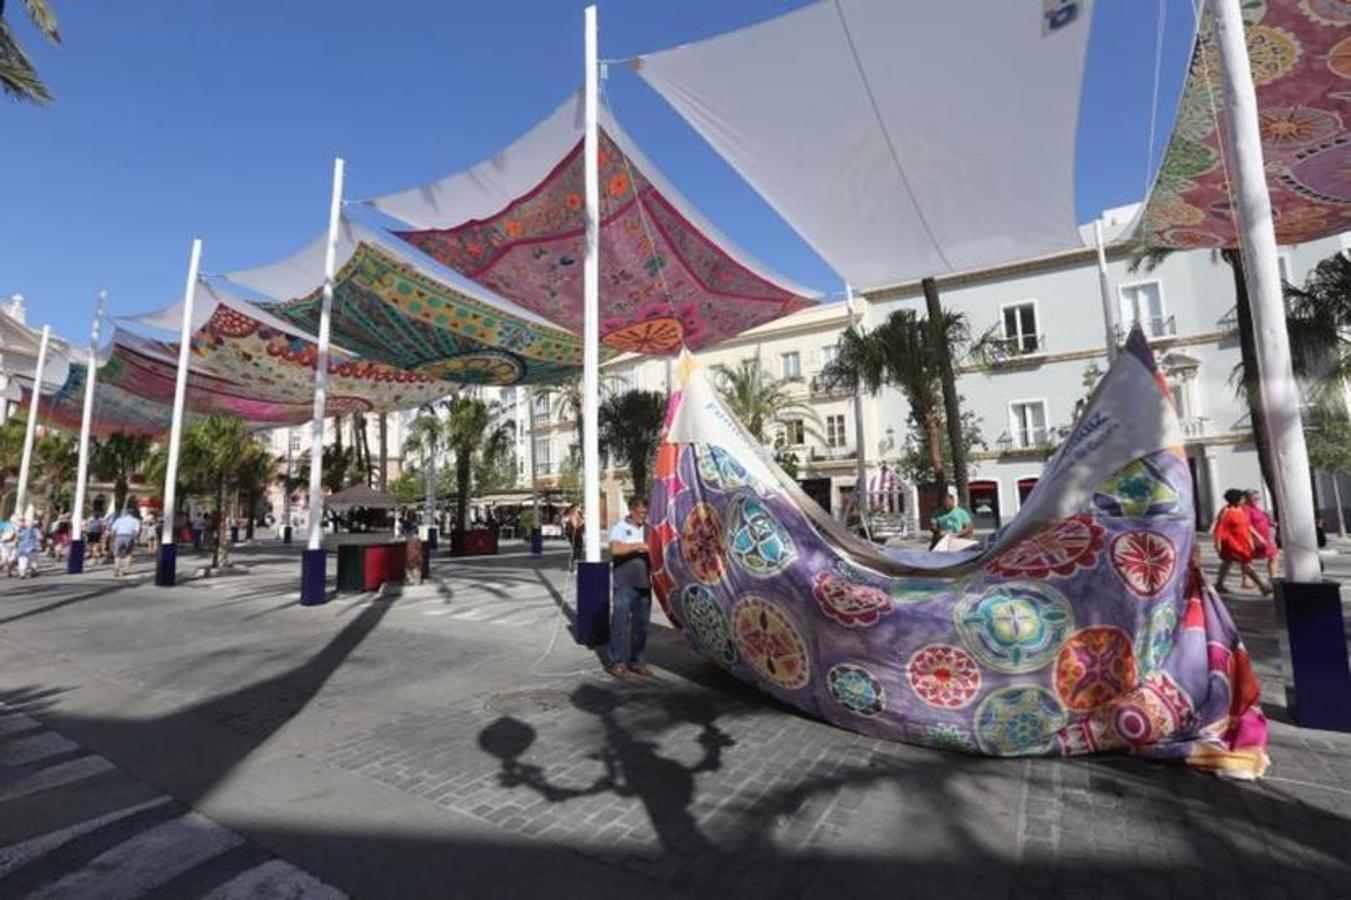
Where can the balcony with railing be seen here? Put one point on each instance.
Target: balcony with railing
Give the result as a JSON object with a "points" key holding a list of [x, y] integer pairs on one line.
{"points": [[1153, 327], [831, 454], [1194, 426], [1003, 349], [820, 386]]}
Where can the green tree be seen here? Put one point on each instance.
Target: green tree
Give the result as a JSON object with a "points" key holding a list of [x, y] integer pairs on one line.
{"points": [[220, 452], [118, 458], [908, 354], [18, 77], [55, 462], [408, 487], [469, 428], [759, 401], [1329, 444], [630, 429], [11, 456]]}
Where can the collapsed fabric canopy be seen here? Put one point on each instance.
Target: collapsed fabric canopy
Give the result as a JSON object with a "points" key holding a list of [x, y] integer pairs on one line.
{"points": [[1301, 66], [516, 224], [901, 140], [395, 305]]}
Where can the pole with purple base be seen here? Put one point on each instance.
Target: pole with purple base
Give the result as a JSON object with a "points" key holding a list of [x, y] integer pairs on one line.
{"points": [[313, 565], [593, 575], [166, 562], [1314, 633], [75, 560]]}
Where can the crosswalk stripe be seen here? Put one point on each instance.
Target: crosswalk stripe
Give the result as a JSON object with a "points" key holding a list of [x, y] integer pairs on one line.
{"points": [[210, 874], [54, 775], [144, 859], [15, 855], [67, 804], [33, 748], [83, 849]]}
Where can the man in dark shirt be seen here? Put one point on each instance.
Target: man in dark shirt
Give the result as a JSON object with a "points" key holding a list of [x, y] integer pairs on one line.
{"points": [[632, 605]]}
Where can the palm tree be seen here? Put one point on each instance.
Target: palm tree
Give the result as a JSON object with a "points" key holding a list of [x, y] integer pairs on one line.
{"points": [[220, 451], [569, 402], [909, 354], [117, 458], [630, 429], [18, 78], [759, 400], [11, 456], [55, 463], [1319, 323], [259, 471], [469, 429]]}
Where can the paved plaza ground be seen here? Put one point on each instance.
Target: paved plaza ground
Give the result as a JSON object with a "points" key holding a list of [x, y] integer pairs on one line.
{"points": [[216, 739]]}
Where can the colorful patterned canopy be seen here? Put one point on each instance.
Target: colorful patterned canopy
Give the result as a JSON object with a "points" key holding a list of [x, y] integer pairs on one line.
{"points": [[516, 225], [385, 309], [115, 409], [1084, 625], [1301, 64]]}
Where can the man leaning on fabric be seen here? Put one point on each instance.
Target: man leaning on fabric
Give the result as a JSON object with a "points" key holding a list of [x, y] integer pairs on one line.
{"points": [[632, 605]]}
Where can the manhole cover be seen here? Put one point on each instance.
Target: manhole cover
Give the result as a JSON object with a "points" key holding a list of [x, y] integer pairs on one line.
{"points": [[515, 702]]}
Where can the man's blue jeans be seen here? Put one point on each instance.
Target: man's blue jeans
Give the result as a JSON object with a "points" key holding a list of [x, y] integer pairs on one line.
{"points": [[628, 627]]}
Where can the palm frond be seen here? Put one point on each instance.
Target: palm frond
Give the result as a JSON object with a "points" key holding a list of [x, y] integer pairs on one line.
{"points": [[40, 11], [18, 78]]}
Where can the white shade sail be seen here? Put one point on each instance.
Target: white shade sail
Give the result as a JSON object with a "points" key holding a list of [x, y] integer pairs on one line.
{"points": [[901, 140]]}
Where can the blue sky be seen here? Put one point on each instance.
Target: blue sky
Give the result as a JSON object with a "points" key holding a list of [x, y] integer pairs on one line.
{"points": [[222, 119]]}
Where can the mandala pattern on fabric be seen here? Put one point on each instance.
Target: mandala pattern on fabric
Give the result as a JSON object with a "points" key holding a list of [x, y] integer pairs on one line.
{"points": [[1144, 560], [701, 543], [486, 367], [1018, 721], [849, 603], [707, 625], [1156, 642], [856, 689], [719, 470], [1156, 709], [944, 676], [1333, 13], [770, 643], [1060, 549], [1296, 126], [942, 736], [1095, 666], [652, 337], [1014, 627], [1137, 490], [757, 541]]}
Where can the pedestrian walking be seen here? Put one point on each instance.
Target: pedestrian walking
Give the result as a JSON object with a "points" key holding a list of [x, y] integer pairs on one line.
{"points": [[1262, 525], [9, 542], [125, 530], [632, 594], [1236, 541], [574, 532], [28, 542]]}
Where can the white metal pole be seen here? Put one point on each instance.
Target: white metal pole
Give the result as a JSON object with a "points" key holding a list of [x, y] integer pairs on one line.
{"points": [[591, 303], [1280, 393], [861, 460], [87, 422], [286, 492], [534, 469], [180, 395], [31, 433], [1105, 289], [316, 515]]}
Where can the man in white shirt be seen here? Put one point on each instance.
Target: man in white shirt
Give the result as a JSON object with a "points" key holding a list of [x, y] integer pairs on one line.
{"points": [[632, 595], [125, 528]]}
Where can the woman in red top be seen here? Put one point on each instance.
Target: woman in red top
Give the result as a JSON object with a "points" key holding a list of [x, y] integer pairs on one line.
{"points": [[1261, 523], [1235, 541]]}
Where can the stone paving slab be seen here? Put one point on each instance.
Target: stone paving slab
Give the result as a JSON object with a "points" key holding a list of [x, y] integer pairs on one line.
{"points": [[509, 758]]}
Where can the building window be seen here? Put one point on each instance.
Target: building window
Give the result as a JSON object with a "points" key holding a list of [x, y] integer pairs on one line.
{"points": [[829, 353], [1020, 328], [794, 433], [790, 365], [835, 431], [539, 408], [1027, 422], [543, 456], [295, 443], [1142, 304], [508, 396]]}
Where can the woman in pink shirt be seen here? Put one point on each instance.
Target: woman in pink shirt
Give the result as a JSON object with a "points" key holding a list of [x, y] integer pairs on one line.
{"points": [[1261, 523]]}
